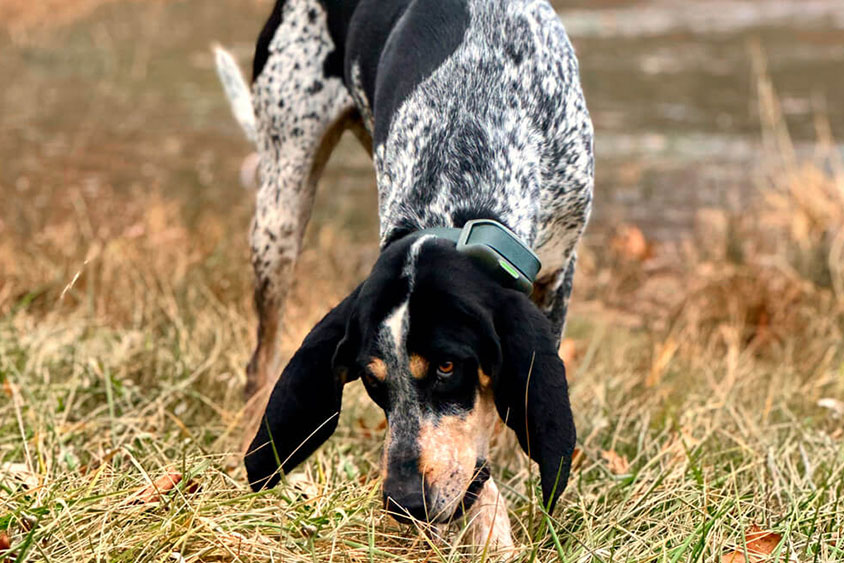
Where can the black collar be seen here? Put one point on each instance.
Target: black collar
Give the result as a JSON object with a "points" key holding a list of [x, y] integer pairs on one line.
{"points": [[496, 249]]}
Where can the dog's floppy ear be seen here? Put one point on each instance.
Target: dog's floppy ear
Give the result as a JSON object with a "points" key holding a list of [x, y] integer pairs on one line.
{"points": [[531, 393], [305, 403]]}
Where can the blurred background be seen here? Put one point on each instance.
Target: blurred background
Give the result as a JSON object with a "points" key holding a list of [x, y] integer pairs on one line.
{"points": [[704, 343], [113, 94]]}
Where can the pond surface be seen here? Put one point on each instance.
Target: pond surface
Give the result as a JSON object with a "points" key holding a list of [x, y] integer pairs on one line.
{"points": [[127, 96], [672, 89]]}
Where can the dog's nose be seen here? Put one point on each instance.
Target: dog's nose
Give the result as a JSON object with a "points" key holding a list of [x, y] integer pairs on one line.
{"points": [[404, 490], [403, 506]]}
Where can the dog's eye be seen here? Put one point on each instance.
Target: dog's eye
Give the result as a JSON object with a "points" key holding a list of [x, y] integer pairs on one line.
{"points": [[375, 386], [445, 369]]}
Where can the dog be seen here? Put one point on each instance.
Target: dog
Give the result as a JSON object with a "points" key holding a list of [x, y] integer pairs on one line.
{"points": [[473, 113]]}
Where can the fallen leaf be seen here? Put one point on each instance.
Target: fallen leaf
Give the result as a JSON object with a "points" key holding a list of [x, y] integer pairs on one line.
{"points": [[568, 351], [760, 320], [304, 484], [20, 473], [162, 485], [375, 431], [677, 447], [761, 541], [733, 557], [629, 243], [618, 465], [760, 544]]}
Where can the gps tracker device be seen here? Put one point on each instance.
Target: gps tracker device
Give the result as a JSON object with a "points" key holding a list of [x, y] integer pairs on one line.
{"points": [[497, 250]]}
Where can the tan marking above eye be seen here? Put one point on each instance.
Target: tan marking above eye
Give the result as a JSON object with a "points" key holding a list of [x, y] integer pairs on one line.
{"points": [[378, 369], [484, 379], [418, 366]]}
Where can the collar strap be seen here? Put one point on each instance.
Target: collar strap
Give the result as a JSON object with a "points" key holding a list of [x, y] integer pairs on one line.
{"points": [[496, 249]]}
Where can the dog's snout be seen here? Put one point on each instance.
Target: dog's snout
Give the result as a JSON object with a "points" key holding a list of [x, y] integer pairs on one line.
{"points": [[404, 496], [406, 504]]}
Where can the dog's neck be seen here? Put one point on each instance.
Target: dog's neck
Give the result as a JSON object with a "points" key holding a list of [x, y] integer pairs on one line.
{"points": [[494, 248], [464, 169], [410, 225]]}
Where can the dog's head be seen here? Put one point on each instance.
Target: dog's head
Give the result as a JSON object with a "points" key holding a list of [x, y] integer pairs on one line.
{"points": [[440, 347]]}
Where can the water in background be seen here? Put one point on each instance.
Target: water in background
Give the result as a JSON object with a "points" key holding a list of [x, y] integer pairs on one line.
{"points": [[127, 96]]}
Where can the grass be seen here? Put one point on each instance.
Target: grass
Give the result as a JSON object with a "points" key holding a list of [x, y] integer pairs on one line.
{"points": [[133, 368], [705, 378]]}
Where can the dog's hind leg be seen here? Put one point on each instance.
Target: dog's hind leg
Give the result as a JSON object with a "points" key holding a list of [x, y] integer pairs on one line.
{"points": [[300, 114]]}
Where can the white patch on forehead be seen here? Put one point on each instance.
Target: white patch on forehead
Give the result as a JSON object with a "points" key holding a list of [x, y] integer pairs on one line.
{"points": [[395, 326], [409, 270]]}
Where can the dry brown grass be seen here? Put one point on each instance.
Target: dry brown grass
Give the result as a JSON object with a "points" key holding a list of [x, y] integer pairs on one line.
{"points": [[21, 15], [712, 370]]}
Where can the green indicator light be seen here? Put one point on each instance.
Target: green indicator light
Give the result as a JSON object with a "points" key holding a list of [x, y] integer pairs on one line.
{"points": [[509, 268]]}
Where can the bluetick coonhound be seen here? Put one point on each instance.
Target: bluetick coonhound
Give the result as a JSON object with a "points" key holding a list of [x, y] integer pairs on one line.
{"points": [[472, 110]]}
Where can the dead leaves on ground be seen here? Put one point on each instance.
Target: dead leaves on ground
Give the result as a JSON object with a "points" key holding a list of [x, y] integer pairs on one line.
{"points": [[5, 545], [617, 464], [760, 544], [14, 475], [368, 431], [6, 553], [629, 244], [160, 487], [835, 406], [568, 353], [9, 388]]}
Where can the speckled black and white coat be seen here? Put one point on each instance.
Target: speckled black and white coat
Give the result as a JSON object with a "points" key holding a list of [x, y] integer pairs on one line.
{"points": [[470, 108], [500, 129]]}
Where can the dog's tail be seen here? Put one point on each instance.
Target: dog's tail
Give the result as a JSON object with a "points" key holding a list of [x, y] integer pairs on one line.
{"points": [[237, 92]]}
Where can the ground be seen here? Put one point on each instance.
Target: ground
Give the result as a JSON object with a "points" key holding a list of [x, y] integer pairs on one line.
{"points": [[706, 372]]}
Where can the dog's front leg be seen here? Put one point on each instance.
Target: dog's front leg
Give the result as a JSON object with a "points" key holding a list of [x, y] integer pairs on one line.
{"points": [[489, 524]]}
